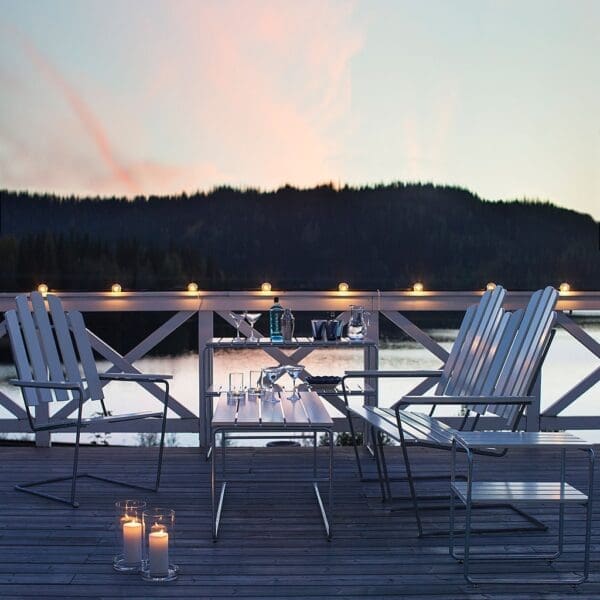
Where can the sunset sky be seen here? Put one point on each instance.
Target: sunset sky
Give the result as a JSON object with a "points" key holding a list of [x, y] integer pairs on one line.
{"points": [[148, 96]]}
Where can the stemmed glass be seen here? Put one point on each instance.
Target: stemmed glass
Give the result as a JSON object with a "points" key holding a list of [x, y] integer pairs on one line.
{"points": [[271, 374], [294, 372], [252, 318], [238, 319]]}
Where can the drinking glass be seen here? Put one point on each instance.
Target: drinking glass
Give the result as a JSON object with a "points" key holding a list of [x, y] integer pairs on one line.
{"points": [[252, 318], [271, 375], [254, 383], [294, 372], [236, 384], [238, 319]]}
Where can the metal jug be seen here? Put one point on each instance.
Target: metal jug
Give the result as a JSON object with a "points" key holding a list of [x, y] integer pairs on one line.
{"points": [[357, 325]]}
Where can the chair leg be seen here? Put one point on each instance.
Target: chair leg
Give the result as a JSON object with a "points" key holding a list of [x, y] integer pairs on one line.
{"points": [[379, 471], [162, 437], [355, 444], [76, 455]]}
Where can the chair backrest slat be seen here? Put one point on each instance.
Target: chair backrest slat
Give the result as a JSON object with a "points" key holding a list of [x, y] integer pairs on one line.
{"points": [[63, 336], [474, 346], [526, 352], [503, 341], [48, 344], [86, 355], [20, 355], [34, 351], [450, 364]]}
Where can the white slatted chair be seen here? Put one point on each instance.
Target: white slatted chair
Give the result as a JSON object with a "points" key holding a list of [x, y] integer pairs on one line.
{"points": [[469, 358], [54, 360], [509, 363]]}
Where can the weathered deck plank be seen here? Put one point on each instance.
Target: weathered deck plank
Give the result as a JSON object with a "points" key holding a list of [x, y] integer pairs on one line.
{"points": [[271, 543]]}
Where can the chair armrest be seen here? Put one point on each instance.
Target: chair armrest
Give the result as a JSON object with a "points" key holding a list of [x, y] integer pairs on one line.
{"points": [[134, 377], [416, 373], [48, 385], [450, 400]]}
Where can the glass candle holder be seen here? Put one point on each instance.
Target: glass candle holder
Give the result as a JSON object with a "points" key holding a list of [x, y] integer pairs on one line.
{"points": [[129, 535], [159, 539]]}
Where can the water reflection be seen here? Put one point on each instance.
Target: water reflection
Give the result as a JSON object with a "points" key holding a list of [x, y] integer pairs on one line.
{"points": [[567, 363]]}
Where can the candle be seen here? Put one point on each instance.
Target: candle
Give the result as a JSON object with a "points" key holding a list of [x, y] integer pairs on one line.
{"points": [[132, 542], [158, 542]]}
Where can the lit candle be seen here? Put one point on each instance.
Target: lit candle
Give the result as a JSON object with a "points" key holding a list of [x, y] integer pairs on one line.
{"points": [[158, 542], [132, 542]]}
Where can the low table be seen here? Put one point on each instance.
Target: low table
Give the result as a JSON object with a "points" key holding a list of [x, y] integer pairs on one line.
{"points": [[472, 493], [261, 414]]}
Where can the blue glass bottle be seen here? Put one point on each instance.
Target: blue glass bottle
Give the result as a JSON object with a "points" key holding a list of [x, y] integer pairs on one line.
{"points": [[275, 315]]}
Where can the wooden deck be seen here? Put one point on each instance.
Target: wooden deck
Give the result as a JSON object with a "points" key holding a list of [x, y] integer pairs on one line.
{"points": [[271, 541]]}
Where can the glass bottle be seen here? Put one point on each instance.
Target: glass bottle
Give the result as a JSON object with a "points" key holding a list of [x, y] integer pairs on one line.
{"points": [[275, 314]]}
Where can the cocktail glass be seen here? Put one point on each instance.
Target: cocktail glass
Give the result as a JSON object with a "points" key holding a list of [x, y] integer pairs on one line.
{"points": [[252, 318], [294, 372], [238, 318], [271, 375]]}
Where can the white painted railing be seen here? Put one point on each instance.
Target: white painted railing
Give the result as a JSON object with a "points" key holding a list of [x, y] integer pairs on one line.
{"points": [[394, 306]]}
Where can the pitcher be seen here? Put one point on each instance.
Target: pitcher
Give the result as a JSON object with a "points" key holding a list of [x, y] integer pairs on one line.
{"points": [[357, 325]]}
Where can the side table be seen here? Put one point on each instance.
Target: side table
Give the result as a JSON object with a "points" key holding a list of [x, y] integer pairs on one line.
{"points": [[472, 493], [255, 413]]}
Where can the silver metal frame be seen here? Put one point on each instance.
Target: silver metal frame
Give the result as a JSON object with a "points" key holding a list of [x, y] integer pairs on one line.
{"points": [[325, 509], [466, 556], [78, 389]]}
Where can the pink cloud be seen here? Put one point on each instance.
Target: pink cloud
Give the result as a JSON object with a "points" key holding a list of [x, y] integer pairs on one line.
{"points": [[242, 93]]}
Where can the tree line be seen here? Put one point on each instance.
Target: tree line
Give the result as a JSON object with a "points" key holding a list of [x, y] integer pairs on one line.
{"points": [[375, 237]]}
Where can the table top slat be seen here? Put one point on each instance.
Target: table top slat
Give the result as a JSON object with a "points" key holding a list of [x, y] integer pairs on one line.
{"points": [[315, 409], [225, 410], [293, 411], [270, 412], [248, 410]]}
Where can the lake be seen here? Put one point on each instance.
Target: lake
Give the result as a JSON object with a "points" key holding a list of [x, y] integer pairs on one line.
{"points": [[567, 363]]}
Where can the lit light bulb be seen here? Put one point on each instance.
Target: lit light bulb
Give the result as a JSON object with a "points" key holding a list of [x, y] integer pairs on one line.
{"points": [[192, 287], [265, 287], [418, 287], [564, 287], [343, 286], [490, 286], [116, 288], [42, 289]]}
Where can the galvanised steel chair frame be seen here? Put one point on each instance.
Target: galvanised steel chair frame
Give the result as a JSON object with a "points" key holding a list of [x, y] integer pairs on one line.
{"points": [[54, 361]]}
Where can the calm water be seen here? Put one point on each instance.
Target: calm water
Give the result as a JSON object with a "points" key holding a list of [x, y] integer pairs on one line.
{"points": [[567, 363]]}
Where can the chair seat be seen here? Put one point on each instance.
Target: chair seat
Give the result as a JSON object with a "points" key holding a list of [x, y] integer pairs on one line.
{"points": [[418, 428], [59, 424]]}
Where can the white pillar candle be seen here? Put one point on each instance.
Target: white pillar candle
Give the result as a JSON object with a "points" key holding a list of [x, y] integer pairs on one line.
{"points": [[158, 542], [132, 542]]}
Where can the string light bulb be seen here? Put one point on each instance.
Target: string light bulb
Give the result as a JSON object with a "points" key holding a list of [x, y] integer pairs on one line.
{"points": [[116, 288], [265, 287], [418, 287], [42, 289], [564, 287], [192, 286], [343, 286], [490, 286]]}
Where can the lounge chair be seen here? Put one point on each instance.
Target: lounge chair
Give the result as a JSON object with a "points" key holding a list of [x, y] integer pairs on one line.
{"points": [[54, 361], [494, 375]]}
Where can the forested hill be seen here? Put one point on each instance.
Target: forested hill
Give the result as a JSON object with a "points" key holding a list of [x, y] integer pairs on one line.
{"points": [[382, 237]]}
